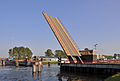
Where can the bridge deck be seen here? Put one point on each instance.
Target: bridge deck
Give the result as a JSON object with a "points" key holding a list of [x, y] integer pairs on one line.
{"points": [[62, 36]]}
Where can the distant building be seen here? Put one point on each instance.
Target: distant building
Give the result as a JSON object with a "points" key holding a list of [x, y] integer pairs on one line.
{"points": [[100, 56], [50, 59], [54, 59]]}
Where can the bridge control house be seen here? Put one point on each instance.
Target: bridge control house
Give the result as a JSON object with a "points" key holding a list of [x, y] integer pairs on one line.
{"points": [[88, 56]]}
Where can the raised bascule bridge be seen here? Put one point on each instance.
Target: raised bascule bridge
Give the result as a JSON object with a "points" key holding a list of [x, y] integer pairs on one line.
{"points": [[77, 60], [64, 39]]}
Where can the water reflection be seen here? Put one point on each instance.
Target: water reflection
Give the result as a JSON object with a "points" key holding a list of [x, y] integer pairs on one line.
{"points": [[37, 76], [67, 76], [76, 79], [34, 75], [49, 73]]}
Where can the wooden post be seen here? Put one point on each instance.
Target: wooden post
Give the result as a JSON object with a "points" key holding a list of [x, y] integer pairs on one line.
{"points": [[3, 62], [40, 63], [0, 62], [36, 63], [48, 63], [34, 69], [17, 63], [39, 68]]}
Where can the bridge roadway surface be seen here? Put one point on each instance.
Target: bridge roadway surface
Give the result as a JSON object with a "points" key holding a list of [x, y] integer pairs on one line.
{"points": [[62, 36]]}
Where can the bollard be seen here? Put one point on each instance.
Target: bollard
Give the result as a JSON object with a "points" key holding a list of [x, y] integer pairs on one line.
{"points": [[34, 68], [17, 63]]}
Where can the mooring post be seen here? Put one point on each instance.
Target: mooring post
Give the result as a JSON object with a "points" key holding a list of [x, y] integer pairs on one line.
{"points": [[39, 68], [48, 63], [3, 62], [40, 62], [17, 63], [34, 69], [0, 62], [36, 63]]}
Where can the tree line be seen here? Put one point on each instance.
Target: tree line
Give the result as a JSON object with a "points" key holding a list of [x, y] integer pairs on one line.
{"points": [[58, 53], [115, 56], [20, 53]]}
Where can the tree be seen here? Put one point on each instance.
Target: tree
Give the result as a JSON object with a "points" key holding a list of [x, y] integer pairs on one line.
{"points": [[49, 53], [86, 49], [20, 53], [60, 53], [115, 55], [108, 57]]}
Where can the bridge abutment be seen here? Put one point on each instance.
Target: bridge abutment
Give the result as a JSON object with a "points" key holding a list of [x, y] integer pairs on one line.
{"points": [[91, 68]]}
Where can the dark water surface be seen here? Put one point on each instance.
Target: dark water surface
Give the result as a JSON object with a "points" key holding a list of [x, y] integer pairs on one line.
{"points": [[52, 73]]}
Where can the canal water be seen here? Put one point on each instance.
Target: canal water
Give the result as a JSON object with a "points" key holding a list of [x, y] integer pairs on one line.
{"points": [[49, 73]]}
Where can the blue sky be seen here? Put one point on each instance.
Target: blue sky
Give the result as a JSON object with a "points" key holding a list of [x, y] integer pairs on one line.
{"points": [[88, 21]]}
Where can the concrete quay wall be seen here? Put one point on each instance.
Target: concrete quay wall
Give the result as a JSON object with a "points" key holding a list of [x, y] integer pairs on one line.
{"points": [[90, 68]]}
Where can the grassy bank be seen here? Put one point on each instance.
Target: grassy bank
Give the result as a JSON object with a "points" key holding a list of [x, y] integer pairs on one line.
{"points": [[115, 77], [53, 62]]}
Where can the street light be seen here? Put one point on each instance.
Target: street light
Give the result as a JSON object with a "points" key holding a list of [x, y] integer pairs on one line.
{"points": [[95, 46]]}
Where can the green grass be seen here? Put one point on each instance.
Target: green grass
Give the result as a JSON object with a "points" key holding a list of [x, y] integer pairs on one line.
{"points": [[50, 61], [115, 77]]}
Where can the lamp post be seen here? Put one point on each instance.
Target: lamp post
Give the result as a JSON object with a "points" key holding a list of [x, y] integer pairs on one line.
{"points": [[95, 46]]}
